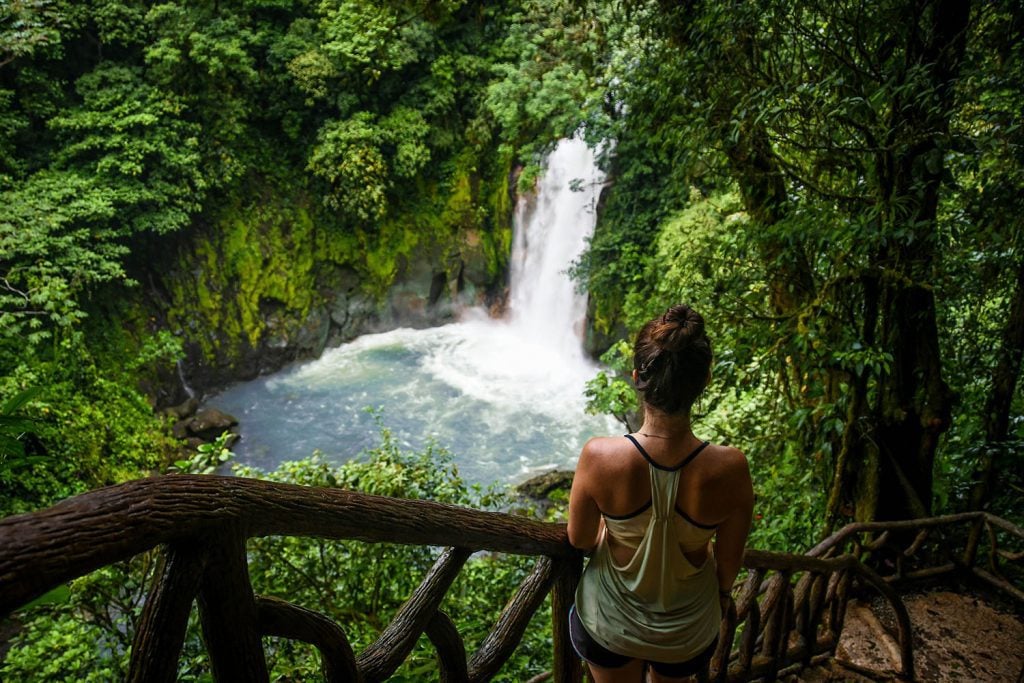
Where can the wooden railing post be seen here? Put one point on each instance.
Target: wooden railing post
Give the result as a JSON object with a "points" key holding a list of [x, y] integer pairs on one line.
{"points": [[160, 632], [719, 665], [567, 665], [903, 626], [280, 618], [451, 651], [815, 605], [382, 657], [775, 627], [227, 611]]}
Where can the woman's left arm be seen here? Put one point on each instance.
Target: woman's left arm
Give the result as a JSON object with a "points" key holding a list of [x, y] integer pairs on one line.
{"points": [[731, 537], [585, 521]]}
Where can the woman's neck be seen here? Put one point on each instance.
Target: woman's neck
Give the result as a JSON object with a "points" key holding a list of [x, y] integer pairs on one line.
{"points": [[658, 424]]}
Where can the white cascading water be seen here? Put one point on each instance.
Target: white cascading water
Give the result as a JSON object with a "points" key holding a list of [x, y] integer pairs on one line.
{"points": [[505, 396], [551, 233]]}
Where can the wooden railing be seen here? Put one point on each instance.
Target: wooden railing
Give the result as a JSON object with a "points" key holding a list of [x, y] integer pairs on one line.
{"points": [[788, 612], [203, 523], [933, 547], [790, 609]]}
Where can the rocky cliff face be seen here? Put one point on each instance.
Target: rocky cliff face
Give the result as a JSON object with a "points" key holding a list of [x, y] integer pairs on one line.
{"points": [[271, 279]]}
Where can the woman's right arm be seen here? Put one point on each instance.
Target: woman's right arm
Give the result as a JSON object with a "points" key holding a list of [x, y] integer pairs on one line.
{"points": [[585, 520], [731, 537]]}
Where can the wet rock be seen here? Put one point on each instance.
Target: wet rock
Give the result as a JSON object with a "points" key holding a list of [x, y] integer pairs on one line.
{"points": [[179, 430], [351, 311], [543, 485], [182, 410], [210, 423], [311, 337]]}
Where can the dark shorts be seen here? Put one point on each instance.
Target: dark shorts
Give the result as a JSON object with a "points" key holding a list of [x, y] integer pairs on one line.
{"points": [[595, 653]]}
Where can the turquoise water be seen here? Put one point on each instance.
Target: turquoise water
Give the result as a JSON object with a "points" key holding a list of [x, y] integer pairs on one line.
{"points": [[506, 406]]}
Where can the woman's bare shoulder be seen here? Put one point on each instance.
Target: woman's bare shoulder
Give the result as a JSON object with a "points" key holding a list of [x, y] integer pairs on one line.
{"points": [[602, 452], [603, 444], [727, 462]]}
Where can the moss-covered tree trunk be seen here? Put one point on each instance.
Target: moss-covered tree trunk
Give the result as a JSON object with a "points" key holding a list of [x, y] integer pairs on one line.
{"points": [[898, 433]]}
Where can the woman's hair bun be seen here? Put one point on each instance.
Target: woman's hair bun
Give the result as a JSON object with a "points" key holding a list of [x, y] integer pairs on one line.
{"points": [[677, 328], [672, 358]]}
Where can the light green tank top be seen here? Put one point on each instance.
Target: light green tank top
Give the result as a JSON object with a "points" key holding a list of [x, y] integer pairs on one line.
{"points": [[658, 606]]}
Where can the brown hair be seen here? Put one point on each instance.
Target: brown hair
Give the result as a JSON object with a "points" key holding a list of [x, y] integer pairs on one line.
{"points": [[672, 357]]}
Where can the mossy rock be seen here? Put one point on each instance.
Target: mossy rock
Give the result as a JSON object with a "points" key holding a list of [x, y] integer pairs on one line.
{"points": [[543, 485]]}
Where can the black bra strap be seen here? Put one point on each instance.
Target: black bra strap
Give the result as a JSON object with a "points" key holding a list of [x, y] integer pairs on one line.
{"points": [[642, 451], [649, 459], [693, 455]]}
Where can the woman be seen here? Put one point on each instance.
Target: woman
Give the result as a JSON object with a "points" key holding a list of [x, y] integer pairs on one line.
{"points": [[648, 505]]}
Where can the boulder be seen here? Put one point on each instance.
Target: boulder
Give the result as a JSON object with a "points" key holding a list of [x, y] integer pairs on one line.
{"points": [[182, 410], [351, 311], [311, 337], [541, 486], [209, 423], [180, 428]]}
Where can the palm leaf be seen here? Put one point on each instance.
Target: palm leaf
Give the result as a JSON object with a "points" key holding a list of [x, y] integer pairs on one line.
{"points": [[18, 401]]}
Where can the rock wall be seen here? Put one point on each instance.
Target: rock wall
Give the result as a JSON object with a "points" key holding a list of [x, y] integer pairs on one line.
{"points": [[271, 278]]}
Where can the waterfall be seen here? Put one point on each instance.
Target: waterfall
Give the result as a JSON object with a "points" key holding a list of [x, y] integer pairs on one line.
{"points": [[551, 231], [506, 396], [184, 383]]}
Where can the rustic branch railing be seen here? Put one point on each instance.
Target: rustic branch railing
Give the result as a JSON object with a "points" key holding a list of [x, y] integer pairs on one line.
{"points": [[203, 523], [927, 548], [794, 616], [787, 615]]}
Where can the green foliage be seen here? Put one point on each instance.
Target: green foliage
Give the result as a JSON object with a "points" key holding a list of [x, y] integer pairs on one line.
{"points": [[13, 428], [85, 635], [208, 458], [89, 426], [209, 59], [135, 140], [348, 157], [612, 390], [368, 38], [27, 27], [127, 166], [48, 255]]}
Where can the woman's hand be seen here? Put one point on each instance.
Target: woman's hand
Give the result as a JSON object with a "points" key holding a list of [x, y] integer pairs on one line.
{"points": [[727, 604]]}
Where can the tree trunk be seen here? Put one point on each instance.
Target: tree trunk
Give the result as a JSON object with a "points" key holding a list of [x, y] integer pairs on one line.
{"points": [[913, 402]]}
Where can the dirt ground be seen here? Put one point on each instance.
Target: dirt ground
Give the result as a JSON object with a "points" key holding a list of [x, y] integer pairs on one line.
{"points": [[957, 637]]}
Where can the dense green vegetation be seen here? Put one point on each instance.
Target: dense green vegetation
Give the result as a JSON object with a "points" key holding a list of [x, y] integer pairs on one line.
{"points": [[835, 186], [231, 184]]}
